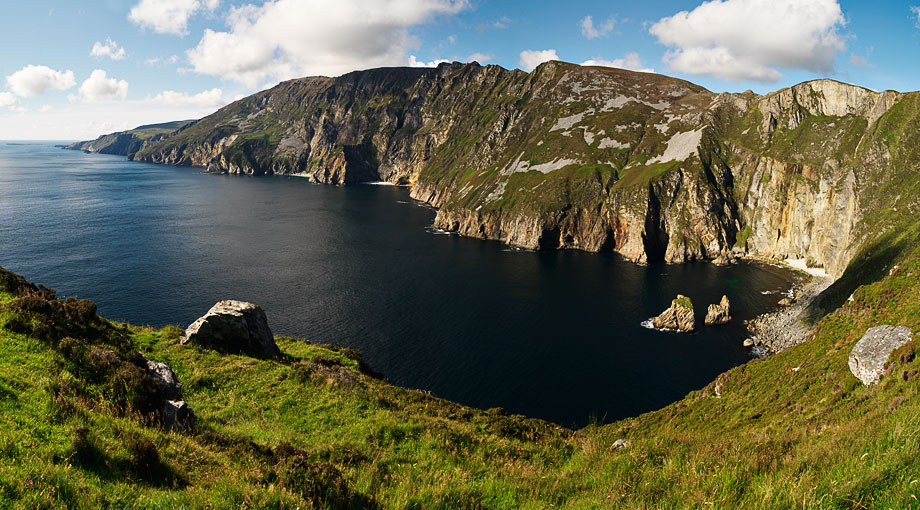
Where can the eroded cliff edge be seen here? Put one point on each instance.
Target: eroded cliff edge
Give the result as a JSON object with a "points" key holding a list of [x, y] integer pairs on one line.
{"points": [[590, 158]]}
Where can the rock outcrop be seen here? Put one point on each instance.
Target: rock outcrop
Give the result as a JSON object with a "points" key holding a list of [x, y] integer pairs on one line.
{"points": [[233, 327], [165, 375], [178, 416], [679, 316], [868, 357], [718, 314]]}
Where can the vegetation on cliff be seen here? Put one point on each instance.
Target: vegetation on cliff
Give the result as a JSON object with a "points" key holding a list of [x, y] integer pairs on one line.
{"points": [[315, 428], [588, 158]]}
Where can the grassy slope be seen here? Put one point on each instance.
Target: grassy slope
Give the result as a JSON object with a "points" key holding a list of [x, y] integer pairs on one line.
{"points": [[795, 429]]}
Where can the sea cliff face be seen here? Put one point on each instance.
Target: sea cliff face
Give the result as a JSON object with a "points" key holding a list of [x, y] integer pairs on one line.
{"points": [[571, 157]]}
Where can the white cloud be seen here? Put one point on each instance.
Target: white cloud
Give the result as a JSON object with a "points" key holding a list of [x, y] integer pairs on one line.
{"points": [[631, 62], [168, 16], [283, 39], [172, 59], [208, 98], [915, 10], [530, 59], [100, 88], [414, 62], [589, 30], [482, 58], [7, 100], [858, 61], [752, 39], [109, 49], [33, 81]]}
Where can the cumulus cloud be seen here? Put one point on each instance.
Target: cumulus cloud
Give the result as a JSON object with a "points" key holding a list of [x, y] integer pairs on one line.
{"points": [[99, 88], [168, 16], [589, 30], [208, 98], [283, 39], [414, 62], [109, 49], [752, 39], [31, 81], [7, 100], [631, 62], [530, 59]]}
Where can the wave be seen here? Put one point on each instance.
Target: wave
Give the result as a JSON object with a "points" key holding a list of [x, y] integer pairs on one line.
{"points": [[649, 325]]}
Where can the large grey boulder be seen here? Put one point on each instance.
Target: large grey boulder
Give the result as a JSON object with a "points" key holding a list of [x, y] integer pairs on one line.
{"points": [[234, 327], [679, 316], [164, 374], [718, 314], [868, 357]]}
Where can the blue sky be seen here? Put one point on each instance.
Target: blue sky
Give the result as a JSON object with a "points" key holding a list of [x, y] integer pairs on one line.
{"points": [[74, 70]]}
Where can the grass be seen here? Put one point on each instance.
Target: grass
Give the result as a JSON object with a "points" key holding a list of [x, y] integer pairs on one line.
{"points": [[683, 302], [315, 429]]}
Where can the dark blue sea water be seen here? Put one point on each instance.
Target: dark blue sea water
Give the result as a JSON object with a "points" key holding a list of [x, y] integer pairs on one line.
{"points": [[550, 335]]}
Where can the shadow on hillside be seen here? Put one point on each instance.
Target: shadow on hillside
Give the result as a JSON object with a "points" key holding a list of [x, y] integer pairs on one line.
{"points": [[871, 265]]}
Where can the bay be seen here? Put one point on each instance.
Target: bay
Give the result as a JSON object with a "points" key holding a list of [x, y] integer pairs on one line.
{"points": [[552, 335]]}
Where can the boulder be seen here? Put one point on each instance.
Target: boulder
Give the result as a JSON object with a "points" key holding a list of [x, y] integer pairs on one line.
{"points": [[868, 357], [678, 316], [718, 314], [161, 371], [621, 444], [178, 416], [786, 302], [234, 327]]}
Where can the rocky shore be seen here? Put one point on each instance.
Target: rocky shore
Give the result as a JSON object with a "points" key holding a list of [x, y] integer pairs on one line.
{"points": [[784, 328]]}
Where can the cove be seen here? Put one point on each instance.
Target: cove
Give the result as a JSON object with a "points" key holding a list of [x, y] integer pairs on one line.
{"points": [[551, 335]]}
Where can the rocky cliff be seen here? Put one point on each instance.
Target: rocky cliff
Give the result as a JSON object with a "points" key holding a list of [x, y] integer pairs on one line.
{"points": [[589, 158], [127, 143]]}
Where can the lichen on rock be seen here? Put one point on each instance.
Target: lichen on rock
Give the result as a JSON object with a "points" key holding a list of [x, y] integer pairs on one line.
{"points": [[233, 327], [868, 357]]}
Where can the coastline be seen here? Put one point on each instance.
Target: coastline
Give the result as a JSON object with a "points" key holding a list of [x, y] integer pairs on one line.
{"points": [[780, 329]]}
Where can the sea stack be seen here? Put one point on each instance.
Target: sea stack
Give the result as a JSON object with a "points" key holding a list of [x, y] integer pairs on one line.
{"points": [[678, 316], [718, 314]]}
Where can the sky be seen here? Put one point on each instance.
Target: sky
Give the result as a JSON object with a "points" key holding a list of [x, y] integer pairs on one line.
{"points": [[75, 70]]}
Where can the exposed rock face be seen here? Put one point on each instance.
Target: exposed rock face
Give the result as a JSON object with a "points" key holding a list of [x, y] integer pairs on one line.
{"points": [[589, 158], [678, 316], [178, 416], [235, 327], [621, 444], [127, 143], [164, 374], [868, 357], [718, 314]]}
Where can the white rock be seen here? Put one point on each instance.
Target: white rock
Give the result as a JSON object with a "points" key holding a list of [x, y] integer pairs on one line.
{"points": [[868, 357], [233, 326]]}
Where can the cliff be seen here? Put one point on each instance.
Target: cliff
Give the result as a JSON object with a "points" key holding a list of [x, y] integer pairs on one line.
{"points": [[127, 143], [590, 158]]}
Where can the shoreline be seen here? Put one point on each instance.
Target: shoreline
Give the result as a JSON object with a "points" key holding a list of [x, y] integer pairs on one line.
{"points": [[775, 331]]}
